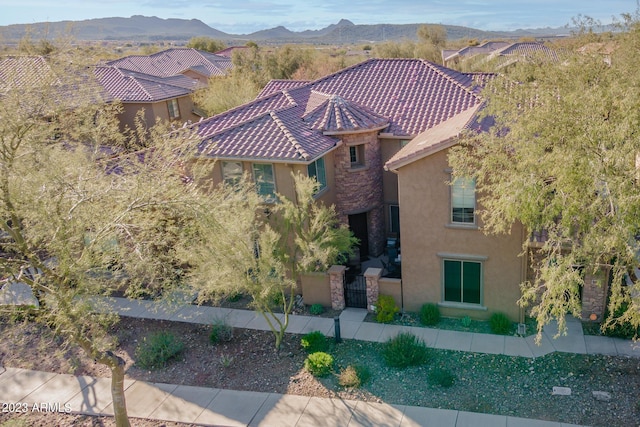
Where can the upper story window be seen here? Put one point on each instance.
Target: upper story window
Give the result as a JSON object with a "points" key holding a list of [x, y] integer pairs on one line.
{"points": [[231, 173], [174, 110], [463, 200], [316, 170], [264, 178], [356, 156]]}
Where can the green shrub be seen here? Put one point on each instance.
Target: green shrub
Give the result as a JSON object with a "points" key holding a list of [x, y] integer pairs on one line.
{"points": [[319, 364], [314, 341], [466, 321], [405, 349], [156, 350], [500, 324], [386, 309], [221, 331], [316, 309], [441, 377], [354, 376], [621, 329], [429, 314]]}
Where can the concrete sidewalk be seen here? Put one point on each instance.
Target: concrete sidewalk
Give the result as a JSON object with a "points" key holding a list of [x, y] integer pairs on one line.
{"points": [[217, 407], [353, 326]]}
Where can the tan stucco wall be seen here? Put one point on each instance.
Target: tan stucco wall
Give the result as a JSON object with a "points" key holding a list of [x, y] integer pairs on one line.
{"points": [[316, 289], [426, 232], [388, 148], [284, 181], [155, 110]]}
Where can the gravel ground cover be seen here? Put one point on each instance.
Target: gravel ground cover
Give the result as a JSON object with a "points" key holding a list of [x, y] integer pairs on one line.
{"points": [[481, 383]]}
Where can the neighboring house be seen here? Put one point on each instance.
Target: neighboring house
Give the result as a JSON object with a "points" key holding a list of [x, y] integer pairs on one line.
{"points": [[451, 56], [161, 83], [341, 129], [501, 53], [166, 98]]}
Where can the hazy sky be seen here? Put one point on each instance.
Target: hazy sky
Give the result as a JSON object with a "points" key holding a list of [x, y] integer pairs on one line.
{"points": [[246, 16]]}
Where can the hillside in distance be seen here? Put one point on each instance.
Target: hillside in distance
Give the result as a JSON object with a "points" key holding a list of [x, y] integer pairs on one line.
{"points": [[143, 28]]}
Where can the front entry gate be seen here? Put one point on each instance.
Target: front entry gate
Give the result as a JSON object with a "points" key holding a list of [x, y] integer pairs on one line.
{"points": [[355, 291]]}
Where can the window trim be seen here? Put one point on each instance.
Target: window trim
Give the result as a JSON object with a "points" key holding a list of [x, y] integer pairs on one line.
{"points": [[360, 159], [452, 221], [266, 198], [233, 181], [174, 112], [391, 230], [477, 259], [323, 181]]}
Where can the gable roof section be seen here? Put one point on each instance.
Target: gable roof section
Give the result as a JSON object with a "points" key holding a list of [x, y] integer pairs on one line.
{"points": [[130, 86], [175, 61], [402, 96], [433, 140]]}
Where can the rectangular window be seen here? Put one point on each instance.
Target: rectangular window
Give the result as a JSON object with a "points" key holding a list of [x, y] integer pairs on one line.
{"points": [[462, 281], [394, 219], [231, 173], [265, 181], [316, 170], [174, 111], [356, 155], [463, 200]]}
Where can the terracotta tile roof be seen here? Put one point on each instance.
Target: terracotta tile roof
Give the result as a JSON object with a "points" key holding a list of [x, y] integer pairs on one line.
{"points": [[435, 139], [411, 95], [281, 138], [336, 114], [130, 86], [526, 49], [278, 85], [18, 72], [228, 52], [175, 61]]}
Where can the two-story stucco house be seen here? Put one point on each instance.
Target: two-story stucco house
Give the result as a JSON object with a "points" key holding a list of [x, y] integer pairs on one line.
{"points": [[160, 84], [341, 128]]}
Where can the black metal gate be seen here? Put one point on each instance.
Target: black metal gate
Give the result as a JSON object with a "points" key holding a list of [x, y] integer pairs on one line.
{"points": [[355, 291]]}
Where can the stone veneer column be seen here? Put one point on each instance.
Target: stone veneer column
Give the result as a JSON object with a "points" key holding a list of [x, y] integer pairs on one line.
{"points": [[359, 190], [336, 283], [594, 295], [372, 279]]}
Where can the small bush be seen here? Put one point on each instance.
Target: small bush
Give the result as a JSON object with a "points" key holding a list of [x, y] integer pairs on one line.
{"points": [[319, 364], [500, 324], [620, 329], [386, 309], [156, 350], [314, 341], [405, 349], [316, 309], [429, 314], [221, 331], [441, 377], [466, 321], [354, 376]]}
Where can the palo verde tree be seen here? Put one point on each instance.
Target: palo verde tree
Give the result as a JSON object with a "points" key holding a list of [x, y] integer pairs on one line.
{"points": [[265, 249], [562, 160], [76, 224]]}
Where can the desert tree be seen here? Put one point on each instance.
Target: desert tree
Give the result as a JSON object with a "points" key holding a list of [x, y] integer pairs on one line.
{"points": [[561, 159], [77, 223], [263, 254]]}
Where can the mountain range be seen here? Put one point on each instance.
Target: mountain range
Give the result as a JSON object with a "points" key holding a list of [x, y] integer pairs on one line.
{"points": [[144, 28]]}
